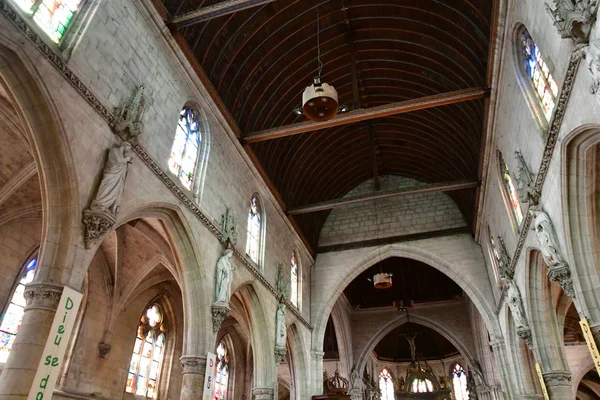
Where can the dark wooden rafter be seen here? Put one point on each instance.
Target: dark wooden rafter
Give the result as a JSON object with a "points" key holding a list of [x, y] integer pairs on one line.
{"points": [[422, 103], [214, 11], [344, 201]]}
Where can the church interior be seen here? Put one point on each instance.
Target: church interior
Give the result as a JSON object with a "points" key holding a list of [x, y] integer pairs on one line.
{"points": [[299, 199]]}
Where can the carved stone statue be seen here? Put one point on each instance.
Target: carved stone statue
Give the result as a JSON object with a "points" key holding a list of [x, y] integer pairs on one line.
{"points": [[525, 180], [355, 378], [128, 118], [114, 179], [223, 278], [229, 228], [592, 58], [281, 328], [547, 238], [515, 302], [573, 18], [101, 216]]}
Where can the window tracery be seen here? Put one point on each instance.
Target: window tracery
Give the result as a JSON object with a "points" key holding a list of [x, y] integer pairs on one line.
{"points": [[386, 385], [13, 317], [459, 383], [146, 361], [53, 16], [253, 238], [294, 282], [540, 78], [510, 193], [222, 378], [185, 150]]}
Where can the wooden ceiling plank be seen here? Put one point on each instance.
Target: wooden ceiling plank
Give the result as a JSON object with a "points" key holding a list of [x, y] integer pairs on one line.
{"points": [[366, 114], [426, 188], [374, 162], [214, 11]]}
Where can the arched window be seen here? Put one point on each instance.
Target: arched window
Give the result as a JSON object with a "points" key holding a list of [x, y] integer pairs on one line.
{"points": [[459, 383], [222, 378], [255, 222], [146, 361], [421, 385], [386, 385], [189, 154], [509, 193], [295, 282], [53, 16], [536, 71], [13, 316]]}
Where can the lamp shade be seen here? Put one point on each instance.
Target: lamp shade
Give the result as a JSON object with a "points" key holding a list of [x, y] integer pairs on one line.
{"points": [[320, 101]]}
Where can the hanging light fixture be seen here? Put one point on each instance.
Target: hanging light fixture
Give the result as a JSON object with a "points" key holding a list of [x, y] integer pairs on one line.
{"points": [[319, 100]]}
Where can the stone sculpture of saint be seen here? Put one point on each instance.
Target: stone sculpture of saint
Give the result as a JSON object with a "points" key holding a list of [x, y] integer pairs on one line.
{"points": [[515, 303], [547, 239], [281, 329], [223, 278], [592, 57], [355, 378], [114, 178]]}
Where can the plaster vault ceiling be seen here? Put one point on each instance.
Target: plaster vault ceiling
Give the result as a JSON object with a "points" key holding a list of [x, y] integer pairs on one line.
{"points": [[375, 53]]}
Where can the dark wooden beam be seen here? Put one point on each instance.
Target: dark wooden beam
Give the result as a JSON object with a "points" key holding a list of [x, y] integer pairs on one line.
{"points": [[213, 11], [366, 114], [344, 201]]}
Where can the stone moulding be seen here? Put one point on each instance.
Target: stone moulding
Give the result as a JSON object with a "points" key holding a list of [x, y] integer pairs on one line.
{"points": [[552, 137], [219, 313], [280, 353], [193, 364], [557, 378], [44, 296], [57, 61], [97, 224]]}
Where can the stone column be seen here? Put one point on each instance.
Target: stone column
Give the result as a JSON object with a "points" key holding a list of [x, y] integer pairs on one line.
{"points": [[263, 393], [558, 384], [499, 348], [19, 371], [192, 384], [317, 371]]}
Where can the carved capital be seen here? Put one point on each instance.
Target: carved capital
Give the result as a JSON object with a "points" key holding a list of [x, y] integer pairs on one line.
{"points": [[280, 353], [263, 394], [193, 364], [557, 378], [562, 276], [103, 349], [525, 334], [573, 18], [97, 224], [317, 355], [220, 311], [43, 296]]}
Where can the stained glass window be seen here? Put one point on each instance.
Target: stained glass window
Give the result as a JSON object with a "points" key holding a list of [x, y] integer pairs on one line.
{"points": [[386, 385], [294, 293], [459, 383], [53, 16], [146, 360], [511, 192], [222, 378], [537, 71], [12, 318], [184, 152], [420, 385], [254, 227]]}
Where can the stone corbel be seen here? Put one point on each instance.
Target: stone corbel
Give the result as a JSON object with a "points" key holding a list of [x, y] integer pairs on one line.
{"points": [[220, 311], [573, 18], [280, 353], [562, 276], [103, 349], [525, 334], [97, 224]]}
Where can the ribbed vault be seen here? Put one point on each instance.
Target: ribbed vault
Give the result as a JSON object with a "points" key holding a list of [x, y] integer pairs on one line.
{"points": [[375, 53]]}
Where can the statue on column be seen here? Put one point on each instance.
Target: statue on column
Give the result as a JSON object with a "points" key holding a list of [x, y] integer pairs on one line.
{"points": [[223, 278], [515, 303], [101, 216], [280, 333]]}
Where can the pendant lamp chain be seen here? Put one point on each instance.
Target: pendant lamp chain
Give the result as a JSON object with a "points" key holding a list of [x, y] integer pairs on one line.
{"points": [[320, 63]]}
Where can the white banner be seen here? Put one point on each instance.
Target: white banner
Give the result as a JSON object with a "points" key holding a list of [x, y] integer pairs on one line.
{"points": [[538, 369], [56, 345], [589, 338], [209, 376]]}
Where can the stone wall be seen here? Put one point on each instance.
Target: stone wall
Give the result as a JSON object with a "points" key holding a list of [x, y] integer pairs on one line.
{"points": [[395, 216]]}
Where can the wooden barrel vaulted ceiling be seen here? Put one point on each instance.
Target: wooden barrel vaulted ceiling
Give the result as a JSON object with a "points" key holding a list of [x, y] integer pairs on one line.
{"points": [[379, 55]]}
